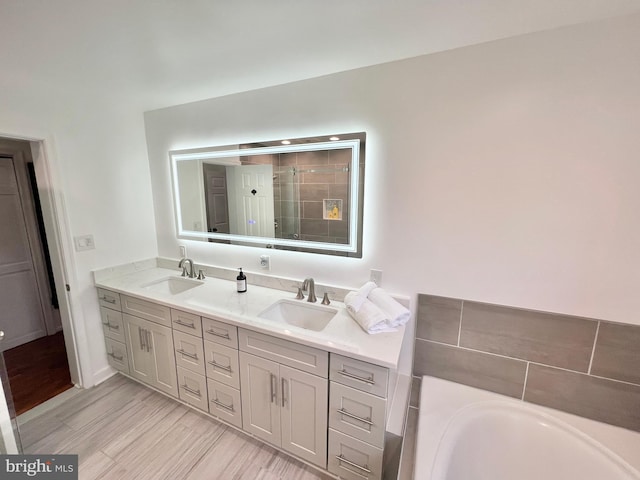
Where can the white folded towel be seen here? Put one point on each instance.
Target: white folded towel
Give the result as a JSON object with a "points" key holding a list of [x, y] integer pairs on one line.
{"points": [[360, 296], [370, 318], [396, 313]]}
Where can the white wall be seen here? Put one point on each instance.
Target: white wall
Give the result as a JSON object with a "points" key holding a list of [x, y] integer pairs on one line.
{"points": [[97, 155], [505, 172]]}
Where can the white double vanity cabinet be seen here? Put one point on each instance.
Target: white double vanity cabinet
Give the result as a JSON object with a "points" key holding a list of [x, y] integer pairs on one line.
{"points": [[325, 405]]}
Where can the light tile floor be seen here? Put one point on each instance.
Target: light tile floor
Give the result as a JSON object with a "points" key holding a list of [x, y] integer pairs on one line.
{"points": [[123, 430]]}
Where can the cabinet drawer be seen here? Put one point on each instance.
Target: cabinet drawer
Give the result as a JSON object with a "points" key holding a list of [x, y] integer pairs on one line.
{"points": [[220, 332], [109, 299], [193, 388], [353, 459], [186, 322], [117, 355], [147, 310], [189, 352], [224, 402], [221, 364], [357, 413], [298, 356], [112, 324], [359, 375]]}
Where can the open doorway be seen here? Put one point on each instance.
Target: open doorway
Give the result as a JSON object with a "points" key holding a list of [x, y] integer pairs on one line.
{"points": [[34, 344]]}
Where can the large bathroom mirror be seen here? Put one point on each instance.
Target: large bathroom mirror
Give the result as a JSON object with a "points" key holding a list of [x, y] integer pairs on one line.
{"points": [[302, 194]]}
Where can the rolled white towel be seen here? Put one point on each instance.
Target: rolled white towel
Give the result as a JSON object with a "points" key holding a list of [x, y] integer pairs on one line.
{"points": [[370, 318], [367, 288], [360, 296], [398, 315]]}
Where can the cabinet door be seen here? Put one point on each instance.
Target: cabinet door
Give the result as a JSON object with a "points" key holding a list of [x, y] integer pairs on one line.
{"points": [[140, 364], [304, 400], [260, 407], [162, 358]]}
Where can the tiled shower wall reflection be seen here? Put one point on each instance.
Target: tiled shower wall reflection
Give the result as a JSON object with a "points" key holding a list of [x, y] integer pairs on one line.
{"points": [[586, 367], [318, 177]]}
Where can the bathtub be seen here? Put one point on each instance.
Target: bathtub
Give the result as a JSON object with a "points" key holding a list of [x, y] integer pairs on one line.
{"points": [[470, 434]]}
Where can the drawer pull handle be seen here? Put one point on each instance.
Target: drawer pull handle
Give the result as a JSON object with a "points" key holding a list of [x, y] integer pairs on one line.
{"points": [[112, 326], [115, 357], [185, 324], [368, 380], [187, 354], [348, 462], [223, 405], [367, 420], [108, 300], [221, 335], [223, 367], [191, 390]]}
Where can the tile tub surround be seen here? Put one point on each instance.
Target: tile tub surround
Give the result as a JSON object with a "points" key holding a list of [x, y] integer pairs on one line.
{"points": [[583, 366]]}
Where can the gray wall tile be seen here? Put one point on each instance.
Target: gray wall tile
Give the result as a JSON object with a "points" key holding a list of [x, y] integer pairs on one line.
{"points": [[477, 369], [552, 339], [414, 400], [617, 353], [314, 157], [438, 318], [600, 399]]}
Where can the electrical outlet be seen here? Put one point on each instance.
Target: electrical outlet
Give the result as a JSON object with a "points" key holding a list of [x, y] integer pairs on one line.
{"points": [[265, 262], [183, 251], [376, 277], [84, 242]]}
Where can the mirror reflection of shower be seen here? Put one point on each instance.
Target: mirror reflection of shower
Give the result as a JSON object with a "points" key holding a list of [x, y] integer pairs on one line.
{"points": [[303, 195], [286, 196]]}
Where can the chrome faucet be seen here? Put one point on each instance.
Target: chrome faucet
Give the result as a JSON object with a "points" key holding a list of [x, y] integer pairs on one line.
{"points": [[192, 273], [310, 285]]}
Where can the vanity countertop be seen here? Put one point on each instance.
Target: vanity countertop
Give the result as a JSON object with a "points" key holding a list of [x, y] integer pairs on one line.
{"points": [[218, 298]]}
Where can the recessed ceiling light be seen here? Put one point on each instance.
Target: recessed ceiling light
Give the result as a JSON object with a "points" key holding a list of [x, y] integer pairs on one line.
{"points": [[333, 139], [286, 142]]}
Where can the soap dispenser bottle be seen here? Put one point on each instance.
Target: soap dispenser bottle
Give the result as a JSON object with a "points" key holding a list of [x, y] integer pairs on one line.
{"points": [[241, 280]]}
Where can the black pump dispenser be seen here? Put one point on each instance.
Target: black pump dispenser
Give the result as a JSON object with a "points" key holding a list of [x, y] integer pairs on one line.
{"points": [[242, 282]]}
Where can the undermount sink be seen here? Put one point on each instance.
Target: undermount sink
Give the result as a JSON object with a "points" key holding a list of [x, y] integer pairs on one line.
{"points": [[172, 285], [299, 314]]}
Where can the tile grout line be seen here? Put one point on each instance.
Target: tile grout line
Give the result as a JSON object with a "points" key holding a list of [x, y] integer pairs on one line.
{"points": [[593, 350], [587, 374], [467, 349], [526, 377], [460, 322]]}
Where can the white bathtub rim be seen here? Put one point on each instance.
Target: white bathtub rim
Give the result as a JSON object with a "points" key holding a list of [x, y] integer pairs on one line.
{"points": [[458, 420], [437, 412]]}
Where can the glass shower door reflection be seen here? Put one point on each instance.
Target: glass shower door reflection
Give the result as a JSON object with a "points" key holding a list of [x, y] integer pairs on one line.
{"points": [[9, 435]]}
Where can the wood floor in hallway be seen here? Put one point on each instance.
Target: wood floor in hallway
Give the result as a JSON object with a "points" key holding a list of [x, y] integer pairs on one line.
{"points": [[37, 371], [123, 430]]}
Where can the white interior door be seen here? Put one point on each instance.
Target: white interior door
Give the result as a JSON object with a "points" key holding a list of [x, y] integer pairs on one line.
{"points": [[252, 187], [21, 316]]}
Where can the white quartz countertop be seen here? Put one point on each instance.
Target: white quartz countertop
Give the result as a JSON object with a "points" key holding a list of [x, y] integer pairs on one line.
{"points": [[218, 299]]}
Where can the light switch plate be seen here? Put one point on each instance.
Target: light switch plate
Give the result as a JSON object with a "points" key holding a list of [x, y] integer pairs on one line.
{"points": [[183, 251], [84, 242]]}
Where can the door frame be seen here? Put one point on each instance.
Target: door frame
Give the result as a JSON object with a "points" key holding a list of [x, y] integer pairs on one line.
{"points": [[20, 154], [56, 224]]}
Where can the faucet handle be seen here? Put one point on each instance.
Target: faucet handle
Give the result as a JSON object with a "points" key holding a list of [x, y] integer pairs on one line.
{"points": [[325, 298], [184, 271], [201, 274], [300, 295]]}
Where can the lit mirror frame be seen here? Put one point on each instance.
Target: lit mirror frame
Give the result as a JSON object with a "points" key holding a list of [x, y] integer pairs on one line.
{"points": [[356, 184]]}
